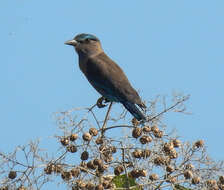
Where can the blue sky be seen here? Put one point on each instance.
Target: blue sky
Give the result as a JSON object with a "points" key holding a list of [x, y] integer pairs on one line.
{"points": [[163, 46]]}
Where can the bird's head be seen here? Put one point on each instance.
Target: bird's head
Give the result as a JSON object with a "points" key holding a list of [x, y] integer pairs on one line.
{"points": [[85, 44]]}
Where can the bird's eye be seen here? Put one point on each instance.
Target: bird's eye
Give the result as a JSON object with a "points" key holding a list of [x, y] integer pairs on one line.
{"points": [[81, 41], [87, 40]]}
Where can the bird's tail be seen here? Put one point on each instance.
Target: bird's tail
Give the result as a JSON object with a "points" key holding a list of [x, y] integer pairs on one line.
{"points": [[132, 108]]}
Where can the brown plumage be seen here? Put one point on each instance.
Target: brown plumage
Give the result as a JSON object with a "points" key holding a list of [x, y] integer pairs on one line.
{"points": [[105, 75]]}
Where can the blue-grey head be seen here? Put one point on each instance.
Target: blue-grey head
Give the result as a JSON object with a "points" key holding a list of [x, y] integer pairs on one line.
{"points": [[85, 44]]}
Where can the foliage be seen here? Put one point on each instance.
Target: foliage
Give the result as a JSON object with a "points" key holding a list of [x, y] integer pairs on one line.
{"points": [[124, 181]]}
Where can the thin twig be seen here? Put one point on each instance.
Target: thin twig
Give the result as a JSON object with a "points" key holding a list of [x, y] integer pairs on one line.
{"points": [[106, 118], [170, 108], [119, 126]]}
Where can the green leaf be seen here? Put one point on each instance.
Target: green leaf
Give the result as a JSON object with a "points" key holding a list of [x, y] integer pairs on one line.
{"points": [[122, 181], [180, 187]]}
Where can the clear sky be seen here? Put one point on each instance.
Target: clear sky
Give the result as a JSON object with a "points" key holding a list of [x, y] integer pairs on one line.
{"points": [[163, 46]]}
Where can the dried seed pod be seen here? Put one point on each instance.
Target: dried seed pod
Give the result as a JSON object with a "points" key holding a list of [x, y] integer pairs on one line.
{"points": [[113, 149], [107, 153], [84, 155], [169, 169], [66, 175], [221, 179], [91, 165], [64, 141], [101, 168], [155, 129], [176, 143], [80, 184], [58, 168], [199, 144], [87, 137], [167, 147], [118, 170], [171, 179], [158, 134], [99, 140], [75, 172], [108, 158], [106, 184], [135, 122], [142, 173], [102, 147], [195, 180], [145, 139], [188, 174], [73, 137], [189, 166], [105, 166], [71, 148], [112, 186], [134, 174], [146, 129], [137, 154], [99, 187], [145, 153], [22, 188], [153, 177], [211, 182], [83, 166], [167, 161], [49, 169], [159, 161], [90, 186], [173, 154], [108, 178], [12, 175], [97, 162], [137, 132], [93, 131]]}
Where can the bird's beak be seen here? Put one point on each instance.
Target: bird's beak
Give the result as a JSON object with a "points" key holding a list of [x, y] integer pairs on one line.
{"points": [[71, 42]]}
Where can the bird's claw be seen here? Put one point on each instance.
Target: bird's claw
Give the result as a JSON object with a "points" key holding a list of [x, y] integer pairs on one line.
{"points": [[101, 102]]}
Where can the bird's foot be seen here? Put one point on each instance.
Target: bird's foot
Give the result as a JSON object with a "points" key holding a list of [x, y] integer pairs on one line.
{"points": [[101, 102]]}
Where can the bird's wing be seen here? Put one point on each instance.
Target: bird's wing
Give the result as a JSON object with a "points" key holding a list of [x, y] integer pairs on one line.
{"points": [[108, 78]]}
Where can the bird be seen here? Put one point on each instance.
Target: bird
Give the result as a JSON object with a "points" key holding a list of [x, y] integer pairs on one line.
{"points": [[105, 75]]}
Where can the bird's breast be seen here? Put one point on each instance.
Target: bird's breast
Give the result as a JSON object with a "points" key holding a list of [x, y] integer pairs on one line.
{"points": [[83, 65]]}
